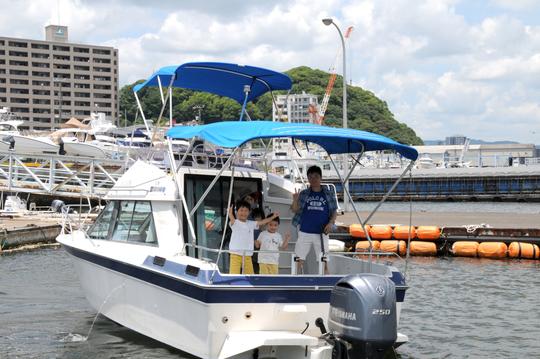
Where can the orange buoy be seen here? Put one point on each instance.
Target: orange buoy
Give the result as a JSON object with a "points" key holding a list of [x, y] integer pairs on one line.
{"points": [[419, 248], [492, 250], [428, 233], [402, 232], [380, 232], [363, 246], [399, 247], [465, 248], [523, 250], [356, 230]]}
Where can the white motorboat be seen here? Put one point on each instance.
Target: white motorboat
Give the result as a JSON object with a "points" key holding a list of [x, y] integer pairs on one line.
{"points": [[425, 161], [85, 143], [155, 261], [29, 145]]}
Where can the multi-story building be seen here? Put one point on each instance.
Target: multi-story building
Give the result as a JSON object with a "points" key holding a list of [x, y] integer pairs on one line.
{"points": [[455, 140], [48, 82], [294, 108]]}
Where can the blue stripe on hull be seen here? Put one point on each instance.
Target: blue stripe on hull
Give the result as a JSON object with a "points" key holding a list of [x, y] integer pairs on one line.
{"points": [[238, 293]]}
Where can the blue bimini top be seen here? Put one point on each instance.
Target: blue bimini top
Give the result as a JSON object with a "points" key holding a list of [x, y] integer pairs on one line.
{"points": [[219, 78], [232, 134]]}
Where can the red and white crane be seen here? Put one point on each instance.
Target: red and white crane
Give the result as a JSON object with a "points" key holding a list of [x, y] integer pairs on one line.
{"points": [[318, 114]]}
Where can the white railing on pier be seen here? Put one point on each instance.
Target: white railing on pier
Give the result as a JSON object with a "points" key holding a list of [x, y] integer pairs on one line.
{"points": [[60, 175]]}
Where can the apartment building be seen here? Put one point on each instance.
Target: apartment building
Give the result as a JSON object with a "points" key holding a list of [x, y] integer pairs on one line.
{"points": [[48, 82], [294, 108]]}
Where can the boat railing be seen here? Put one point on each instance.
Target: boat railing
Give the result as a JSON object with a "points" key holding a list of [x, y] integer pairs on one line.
{"points": [[339, 263], [79, 219]]}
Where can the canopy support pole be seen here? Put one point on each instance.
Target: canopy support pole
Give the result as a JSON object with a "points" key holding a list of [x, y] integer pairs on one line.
{"points": [[247, 89], [142, 112], [409, 167], [160, 90], [346, 192], [164, 105], [231, 187], [211, 185], [191, 142], [180, 193], [356, 160], [170, 107]]}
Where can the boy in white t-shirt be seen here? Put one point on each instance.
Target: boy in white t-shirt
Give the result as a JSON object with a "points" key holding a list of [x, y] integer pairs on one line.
{"points": [[241, 244], [270, 240]]}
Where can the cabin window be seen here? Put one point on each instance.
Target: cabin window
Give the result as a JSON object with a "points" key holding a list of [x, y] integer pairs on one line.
{"points": [[210, 216], [100, 229], [129, 221]]}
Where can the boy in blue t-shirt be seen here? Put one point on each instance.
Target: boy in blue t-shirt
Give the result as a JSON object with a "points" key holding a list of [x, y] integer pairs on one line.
{"points": [[315, 211]]}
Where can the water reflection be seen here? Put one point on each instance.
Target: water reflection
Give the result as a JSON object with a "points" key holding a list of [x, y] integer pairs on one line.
{"points": [[455, 307]]}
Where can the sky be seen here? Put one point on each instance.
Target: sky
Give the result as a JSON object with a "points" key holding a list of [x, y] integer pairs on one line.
{"points": [[444, 67]]}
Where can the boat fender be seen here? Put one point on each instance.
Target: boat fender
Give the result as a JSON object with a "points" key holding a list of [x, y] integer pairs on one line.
{"points": [[380, 232], [393, 246], [492, 250], [523, 250], [465, 248], [402, 232], [429, 233], [356, 230], [422, 248], [363, 246]]}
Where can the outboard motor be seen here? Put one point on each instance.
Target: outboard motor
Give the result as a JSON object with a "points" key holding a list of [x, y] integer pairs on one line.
{"points": [[10, 140], [363, 315], [59, 206], [61, 151]]}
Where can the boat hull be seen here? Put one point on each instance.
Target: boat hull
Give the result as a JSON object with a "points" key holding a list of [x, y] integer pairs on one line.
{"points": [[84, 150], [197, 324], [34, 146]]}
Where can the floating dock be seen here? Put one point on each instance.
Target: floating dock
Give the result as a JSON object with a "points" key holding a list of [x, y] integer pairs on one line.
{"points": [[447, 184], [30, 229]]}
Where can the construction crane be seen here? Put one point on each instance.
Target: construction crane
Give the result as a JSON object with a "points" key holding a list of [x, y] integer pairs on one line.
{"points": [[318, 114]]}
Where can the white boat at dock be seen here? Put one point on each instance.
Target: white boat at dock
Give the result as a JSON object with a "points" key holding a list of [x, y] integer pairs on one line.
{"points": [[155, 261]]}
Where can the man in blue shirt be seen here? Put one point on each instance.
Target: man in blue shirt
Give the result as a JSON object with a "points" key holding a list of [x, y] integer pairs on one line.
{"points": [[315, 211]]}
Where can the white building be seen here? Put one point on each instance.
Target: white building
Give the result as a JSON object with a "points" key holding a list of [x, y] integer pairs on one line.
{"points": [[294, 108], [485, 155]]}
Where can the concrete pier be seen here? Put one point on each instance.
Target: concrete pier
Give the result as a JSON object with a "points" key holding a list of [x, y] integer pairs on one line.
{"points": [[17, 231], [448, 219]]}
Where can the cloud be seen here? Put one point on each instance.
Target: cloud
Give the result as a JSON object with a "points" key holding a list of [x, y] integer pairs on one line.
{"points": [[516, 5], [439, 71]]}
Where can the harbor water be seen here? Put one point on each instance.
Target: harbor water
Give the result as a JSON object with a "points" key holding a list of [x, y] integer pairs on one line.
{"points": [[455, 308]]}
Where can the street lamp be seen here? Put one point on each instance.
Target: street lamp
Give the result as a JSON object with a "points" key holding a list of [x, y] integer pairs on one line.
{"points": [[329, 22], [198, 107]]}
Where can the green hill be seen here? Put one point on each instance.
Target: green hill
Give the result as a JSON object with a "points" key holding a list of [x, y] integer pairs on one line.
{"points": [[365, 111]]}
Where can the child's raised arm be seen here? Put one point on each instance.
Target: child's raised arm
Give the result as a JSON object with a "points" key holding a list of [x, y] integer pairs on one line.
{"points": [[231, 216], [258, 241], [267, 220], [286, 241]]}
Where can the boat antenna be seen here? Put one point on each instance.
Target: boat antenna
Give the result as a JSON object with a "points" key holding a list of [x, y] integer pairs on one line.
{"points": [[247, 90], [408, 255]]}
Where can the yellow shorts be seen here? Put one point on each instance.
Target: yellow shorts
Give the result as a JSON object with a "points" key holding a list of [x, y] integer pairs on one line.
{"points": [[265, 268], [236, 264]]}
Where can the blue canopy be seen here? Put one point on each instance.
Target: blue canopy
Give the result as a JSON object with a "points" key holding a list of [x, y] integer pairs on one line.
{"points": [[333, 140], [220, 78]]}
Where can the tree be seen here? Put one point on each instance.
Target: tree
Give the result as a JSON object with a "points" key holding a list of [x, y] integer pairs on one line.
{"points": [[365, 111]]}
